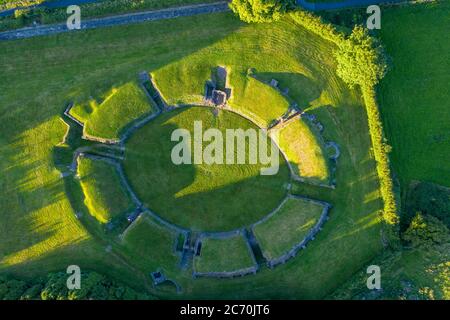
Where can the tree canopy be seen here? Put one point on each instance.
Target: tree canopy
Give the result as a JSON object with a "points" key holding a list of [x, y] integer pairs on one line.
{"points": [[426, 230], [361, 59], [54, 287], [260, 10]]}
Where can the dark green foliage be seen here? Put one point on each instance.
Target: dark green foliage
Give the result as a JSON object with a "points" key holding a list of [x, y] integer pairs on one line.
{"points": [[346, 18], [93, 287], [11, 289], [430, 199], [361, 59], [380, 151], [260, 10], [426, 230]]}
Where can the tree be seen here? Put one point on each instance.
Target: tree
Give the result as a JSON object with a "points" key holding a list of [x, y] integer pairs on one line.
{"points": [[426, 230], [361, 59], [430, 199], [260, 10], [54, 287]]}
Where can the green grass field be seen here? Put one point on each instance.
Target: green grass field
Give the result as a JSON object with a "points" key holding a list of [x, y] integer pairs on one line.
{"points": [[120, 107], [151, 245], [193, 195], [39, 231], [304, 150], [223, 255], [414, 96], [286, 228], [256, 100], [104, 196]]}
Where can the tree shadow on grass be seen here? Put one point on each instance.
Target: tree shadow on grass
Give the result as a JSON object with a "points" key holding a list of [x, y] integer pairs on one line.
{"points": [[212, 201], [95, 61]]}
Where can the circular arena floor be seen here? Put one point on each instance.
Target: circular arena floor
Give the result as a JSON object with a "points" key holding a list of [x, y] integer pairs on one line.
{"points": [[202, 197]]}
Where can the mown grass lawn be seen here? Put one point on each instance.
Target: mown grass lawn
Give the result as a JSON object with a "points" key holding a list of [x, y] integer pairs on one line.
{"points": [[104, 195], [257, 100], [151, 245], [288, 227], [224, 255], [304, 150], [116, 111], [415, 95], [39, 231], [204, 197], [183, 82]]}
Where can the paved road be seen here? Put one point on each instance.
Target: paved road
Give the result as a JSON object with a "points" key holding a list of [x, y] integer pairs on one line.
{"points": [[117, 20], [161, 14]]}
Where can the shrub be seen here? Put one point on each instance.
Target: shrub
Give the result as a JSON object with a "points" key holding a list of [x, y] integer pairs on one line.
{"points": [[21, 13], [316, 25], [426, 230], [260, 10], [430, 199], [381, 156], [54, 287], [361, 59]]}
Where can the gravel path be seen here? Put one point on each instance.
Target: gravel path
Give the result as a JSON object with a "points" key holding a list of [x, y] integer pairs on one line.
{"points": [[117, 20]]}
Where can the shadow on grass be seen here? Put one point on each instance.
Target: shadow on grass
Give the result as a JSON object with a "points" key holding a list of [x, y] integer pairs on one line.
{"points": [[203, 197], [71, 66]]}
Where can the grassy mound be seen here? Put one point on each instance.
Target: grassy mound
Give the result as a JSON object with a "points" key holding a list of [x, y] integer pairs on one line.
{"points": [[184, 83], [104, 195], [198, 195], [304, 151], [287, 227], [151, 245], [224, 255], [121, 106], [257, 100]]}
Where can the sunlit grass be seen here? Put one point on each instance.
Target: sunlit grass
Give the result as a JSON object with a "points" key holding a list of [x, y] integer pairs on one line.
{"points": [[287, 227], [222, 255], [108, 119], [104, 195], [195, 195], [151, 245], [40, 76], [304, 150], [259, 101]]}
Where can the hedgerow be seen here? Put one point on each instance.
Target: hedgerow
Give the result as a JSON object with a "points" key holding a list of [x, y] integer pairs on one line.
{"points": [[361, 61], [380, 149], [316, 25], [94, 286]]}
